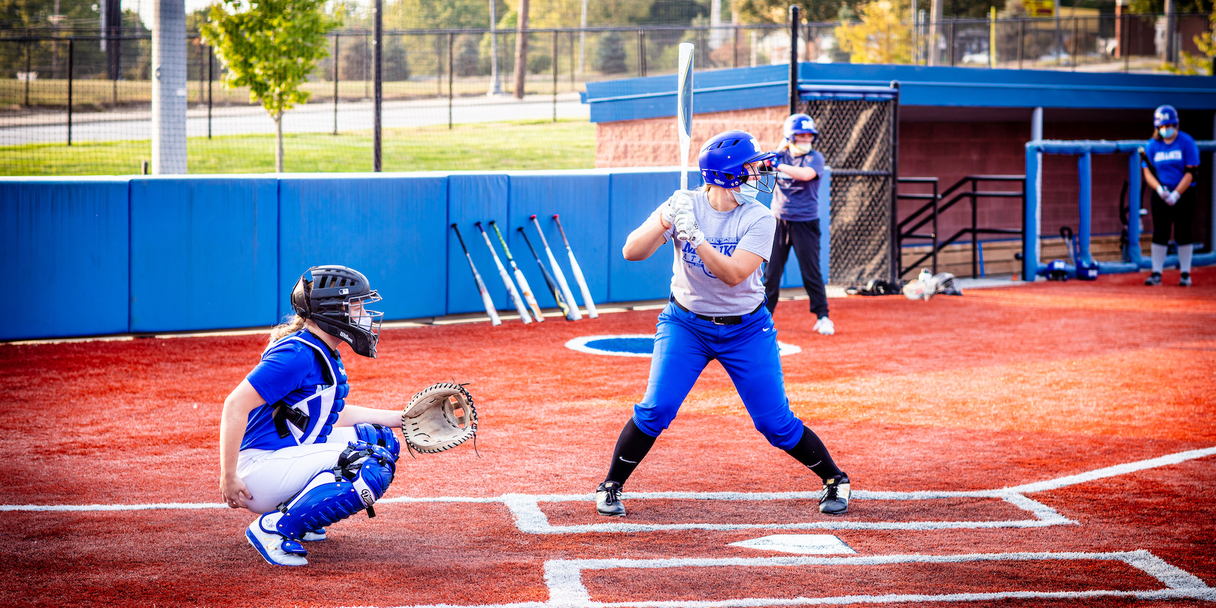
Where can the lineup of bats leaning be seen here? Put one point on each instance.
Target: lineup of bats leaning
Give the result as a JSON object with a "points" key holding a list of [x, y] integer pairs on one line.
{"points": [[556, 281]]}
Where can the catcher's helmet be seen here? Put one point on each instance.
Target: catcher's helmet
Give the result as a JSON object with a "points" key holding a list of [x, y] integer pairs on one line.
{"points": [[724, 159], [1165, 115], [335, 298], [798, 124]]}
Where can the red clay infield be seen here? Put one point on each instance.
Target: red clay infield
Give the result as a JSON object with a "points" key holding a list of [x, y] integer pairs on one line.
{"points": [[1049, 444]]}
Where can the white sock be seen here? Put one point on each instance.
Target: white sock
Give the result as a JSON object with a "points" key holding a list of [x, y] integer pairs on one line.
{"points": [[1184, 257], [1159, 257]]}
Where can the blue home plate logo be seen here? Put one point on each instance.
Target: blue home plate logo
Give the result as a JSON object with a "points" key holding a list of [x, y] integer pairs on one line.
{"points": [[636, 345]]}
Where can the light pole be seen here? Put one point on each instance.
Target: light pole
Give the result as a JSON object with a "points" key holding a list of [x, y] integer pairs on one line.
{"points": [[495, 85]]}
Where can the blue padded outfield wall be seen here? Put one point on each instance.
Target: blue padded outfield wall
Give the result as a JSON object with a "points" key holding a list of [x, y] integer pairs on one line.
{"points": [[117, 255]]}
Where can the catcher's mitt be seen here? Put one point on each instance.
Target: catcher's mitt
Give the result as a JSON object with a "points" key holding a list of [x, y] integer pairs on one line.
{"points": [[438, 418]]}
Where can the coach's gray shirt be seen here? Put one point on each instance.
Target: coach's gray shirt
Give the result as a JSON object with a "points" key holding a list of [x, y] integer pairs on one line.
{"points": [[748, 227]]}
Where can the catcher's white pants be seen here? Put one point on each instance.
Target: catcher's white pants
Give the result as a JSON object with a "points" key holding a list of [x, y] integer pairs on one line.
{"points": [[273, 476]]}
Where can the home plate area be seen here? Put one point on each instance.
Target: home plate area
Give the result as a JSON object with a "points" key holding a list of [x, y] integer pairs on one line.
{"points": [[823, 569]]}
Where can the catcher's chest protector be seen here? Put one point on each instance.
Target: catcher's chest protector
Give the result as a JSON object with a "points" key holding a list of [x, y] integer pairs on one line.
{"points": [[307, 414]]}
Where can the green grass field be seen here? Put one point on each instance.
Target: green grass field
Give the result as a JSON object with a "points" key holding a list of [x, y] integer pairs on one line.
{"points": [[489, 146]]}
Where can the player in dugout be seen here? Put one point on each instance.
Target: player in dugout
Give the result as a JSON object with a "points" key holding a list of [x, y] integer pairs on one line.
{"points": [[1176, 159], [721, 235], [796, 207]]}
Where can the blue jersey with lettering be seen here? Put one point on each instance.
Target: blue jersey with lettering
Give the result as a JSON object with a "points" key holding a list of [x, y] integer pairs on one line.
{"points": [[1171, 160], [796, 200], [304, 385]]}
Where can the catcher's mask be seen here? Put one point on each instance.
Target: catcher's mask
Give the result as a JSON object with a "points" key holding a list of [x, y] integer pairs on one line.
{"points": [[336, 299]]}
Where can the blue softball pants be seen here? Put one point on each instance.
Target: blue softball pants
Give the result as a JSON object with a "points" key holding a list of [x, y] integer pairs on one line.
{"points": [[685, 344]]}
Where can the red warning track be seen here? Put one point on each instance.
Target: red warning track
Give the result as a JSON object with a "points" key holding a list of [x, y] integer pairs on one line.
{"points": [[1000, 388]]}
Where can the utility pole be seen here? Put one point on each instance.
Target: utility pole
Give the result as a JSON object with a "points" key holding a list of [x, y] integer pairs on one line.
{"points": [[377, 42], [582, 40], [521, 49], [495, 85], [935, 24]]}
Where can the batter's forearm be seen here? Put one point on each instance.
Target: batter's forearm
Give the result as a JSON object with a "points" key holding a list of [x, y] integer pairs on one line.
{"points": [[643, 242]]}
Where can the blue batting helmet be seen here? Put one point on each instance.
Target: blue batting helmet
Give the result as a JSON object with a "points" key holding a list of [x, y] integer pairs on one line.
{"points": [[1165, 115], [1057, 270], [724, 158], [798, 124]]}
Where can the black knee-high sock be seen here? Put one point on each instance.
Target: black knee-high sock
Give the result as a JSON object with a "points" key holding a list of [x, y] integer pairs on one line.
{"points": [[811, 452], [631, 447]]}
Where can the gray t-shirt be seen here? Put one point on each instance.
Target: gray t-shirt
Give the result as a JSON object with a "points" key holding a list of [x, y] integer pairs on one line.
{"points": [[748, 227]]}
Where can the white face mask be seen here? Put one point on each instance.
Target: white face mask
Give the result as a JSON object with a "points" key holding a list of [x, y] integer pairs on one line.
{"points": [[745, 194], [800, 149]]}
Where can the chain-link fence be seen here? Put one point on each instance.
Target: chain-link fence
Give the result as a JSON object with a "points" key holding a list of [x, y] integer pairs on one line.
{"points": [[856, 139], [80, 104]]}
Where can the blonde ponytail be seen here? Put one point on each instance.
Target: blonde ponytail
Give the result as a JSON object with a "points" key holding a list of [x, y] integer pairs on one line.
{"points": [[291, 325]]}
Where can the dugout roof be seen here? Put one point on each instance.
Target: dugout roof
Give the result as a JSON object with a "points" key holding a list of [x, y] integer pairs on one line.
{"points": [[768, 86]]}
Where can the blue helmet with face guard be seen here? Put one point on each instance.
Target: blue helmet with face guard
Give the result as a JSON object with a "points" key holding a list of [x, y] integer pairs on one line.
{"points": [[731, 158]]}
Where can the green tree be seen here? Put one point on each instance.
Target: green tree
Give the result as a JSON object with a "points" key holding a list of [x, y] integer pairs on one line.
{"points": [[270, 46], [611, 54]]}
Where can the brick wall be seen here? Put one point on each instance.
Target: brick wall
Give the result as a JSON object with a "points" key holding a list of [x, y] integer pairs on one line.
{"points": [[948, 150]]}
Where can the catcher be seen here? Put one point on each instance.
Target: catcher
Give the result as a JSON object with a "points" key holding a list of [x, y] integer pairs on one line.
{"points": [[291, 449]]}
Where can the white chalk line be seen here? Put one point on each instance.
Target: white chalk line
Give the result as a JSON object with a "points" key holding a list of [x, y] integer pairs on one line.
{"points": [[564, 578], [566, 588], [526, 505]]}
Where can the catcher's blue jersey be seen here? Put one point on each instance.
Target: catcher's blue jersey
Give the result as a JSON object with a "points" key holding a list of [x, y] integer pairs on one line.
{"points": [[305, 388]]}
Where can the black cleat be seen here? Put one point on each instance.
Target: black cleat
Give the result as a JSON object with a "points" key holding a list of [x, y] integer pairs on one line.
{"points": [[1153, 279], [835, 498], [1185, 281], [608, 499]]}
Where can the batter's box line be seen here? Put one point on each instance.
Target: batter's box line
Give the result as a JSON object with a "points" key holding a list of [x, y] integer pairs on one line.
{"points": [[566, 588], [531, 519]]}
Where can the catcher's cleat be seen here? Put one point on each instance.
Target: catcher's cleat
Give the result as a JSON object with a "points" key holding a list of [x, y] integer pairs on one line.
{"points": [[835, 498], [274, 547], [1153, 279], [608, 499], [313, 536], [1185, 281]]}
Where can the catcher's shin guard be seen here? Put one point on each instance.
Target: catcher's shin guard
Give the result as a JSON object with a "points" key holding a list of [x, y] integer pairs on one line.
{"points": [[363, 474]]}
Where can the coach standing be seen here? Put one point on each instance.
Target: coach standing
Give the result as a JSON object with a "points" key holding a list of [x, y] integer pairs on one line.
{"points": [[1176, 158], [796, 207]]}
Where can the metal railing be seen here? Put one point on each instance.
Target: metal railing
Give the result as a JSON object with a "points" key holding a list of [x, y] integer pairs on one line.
{"points": [[931, 210]]}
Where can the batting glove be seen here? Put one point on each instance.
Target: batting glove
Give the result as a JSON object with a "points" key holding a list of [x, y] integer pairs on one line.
{"points": [[1172, 198], [687, 229], [1162, 191], [680, 199]]}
